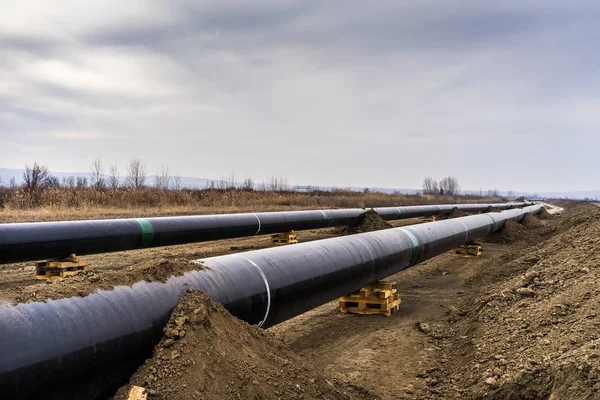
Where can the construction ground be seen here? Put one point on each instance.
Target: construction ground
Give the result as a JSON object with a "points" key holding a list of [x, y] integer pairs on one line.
{"points": [[521, 321]]}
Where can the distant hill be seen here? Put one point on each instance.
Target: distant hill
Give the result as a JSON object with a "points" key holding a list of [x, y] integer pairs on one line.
{"points": [[6, 174]]}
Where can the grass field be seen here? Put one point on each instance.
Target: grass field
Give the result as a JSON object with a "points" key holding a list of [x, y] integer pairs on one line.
{"points": [[50, 204]]}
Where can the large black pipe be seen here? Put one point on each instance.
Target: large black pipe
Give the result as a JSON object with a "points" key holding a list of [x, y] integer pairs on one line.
{"points": [[42, 240], [86, 347]]}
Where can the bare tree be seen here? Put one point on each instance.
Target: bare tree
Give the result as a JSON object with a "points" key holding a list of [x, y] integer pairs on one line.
{"points": [[162, 179], [453, 186], [34, 177], [98, 180], [52, 181], [113, 177], [278, 183], [69, 181], [429, 186], [221, 184], [248, 184], [12, 183], [449, 185], [1, 183], [81, 182], [231, 184], [136, 174], [177, 182]]}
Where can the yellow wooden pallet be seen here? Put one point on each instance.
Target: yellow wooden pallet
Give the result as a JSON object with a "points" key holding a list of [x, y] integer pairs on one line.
{"points": [[59, 269], [381, 290], [285, 238], [467, 251], [137, 393], [378, 298], [371, 307]]}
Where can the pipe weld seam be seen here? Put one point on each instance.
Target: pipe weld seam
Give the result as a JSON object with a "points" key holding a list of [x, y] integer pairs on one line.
{"points": [[259, 224], [147, 234], [466, 230], [416, 251], [262, 274]]}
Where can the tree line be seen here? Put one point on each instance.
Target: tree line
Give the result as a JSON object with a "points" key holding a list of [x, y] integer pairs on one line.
{"points": [[447, 186], [38, 177]]}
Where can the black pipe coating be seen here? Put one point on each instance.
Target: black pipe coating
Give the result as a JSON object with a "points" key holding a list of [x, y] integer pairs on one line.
{"points": [[43, 240], [87, 347]]}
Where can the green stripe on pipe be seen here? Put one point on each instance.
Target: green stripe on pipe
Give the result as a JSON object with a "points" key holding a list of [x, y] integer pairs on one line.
{"points": [[416, 253], [147, 232], [325, 216]]}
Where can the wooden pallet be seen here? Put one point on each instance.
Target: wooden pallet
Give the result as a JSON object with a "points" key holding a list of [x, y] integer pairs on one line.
{"points": [[381, 290], [59, 268], [429, 219], [285, 238], [467, 251], [137, 393], [379, 298]]}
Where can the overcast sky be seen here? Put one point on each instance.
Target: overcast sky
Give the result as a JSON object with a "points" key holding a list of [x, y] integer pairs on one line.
{"points": [[500, 94]]}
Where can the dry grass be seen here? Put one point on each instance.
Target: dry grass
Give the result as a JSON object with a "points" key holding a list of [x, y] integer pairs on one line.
{"points": [[64, 204]]}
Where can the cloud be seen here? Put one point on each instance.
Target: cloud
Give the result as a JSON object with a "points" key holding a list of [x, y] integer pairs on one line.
{"points": [[361, 94], [77, 135]]}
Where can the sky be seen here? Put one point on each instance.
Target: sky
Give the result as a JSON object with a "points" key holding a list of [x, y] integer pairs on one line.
{"points": [[500, 94]]}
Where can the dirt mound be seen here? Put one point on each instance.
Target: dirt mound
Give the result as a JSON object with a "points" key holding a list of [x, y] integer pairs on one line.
{"points": [[544, 214], [534, 334], [584, 213], [206, 353], [531, 222], [456, 213], [89, 281], [511, 233], [371, 222]]}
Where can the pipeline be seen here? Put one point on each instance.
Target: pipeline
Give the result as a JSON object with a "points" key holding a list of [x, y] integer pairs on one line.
{"points": [[43, 240], [87, 347]]}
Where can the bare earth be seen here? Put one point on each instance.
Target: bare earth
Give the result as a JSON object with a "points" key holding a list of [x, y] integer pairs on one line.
{"points": [[520, 322]]}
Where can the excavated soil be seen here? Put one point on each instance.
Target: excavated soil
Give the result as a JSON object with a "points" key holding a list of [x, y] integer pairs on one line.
{"points": [[206, 353], [456, 213], [531, 222], [544, 214], [511, 233], [532, 334], [582, 215], [371, 222], [530, 230]]}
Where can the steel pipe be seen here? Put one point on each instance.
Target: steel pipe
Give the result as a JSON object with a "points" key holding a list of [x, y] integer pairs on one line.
{"points": [[86, 347], [42, 240]]}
